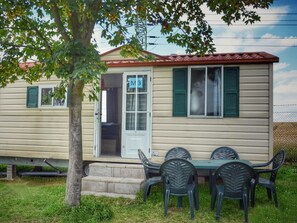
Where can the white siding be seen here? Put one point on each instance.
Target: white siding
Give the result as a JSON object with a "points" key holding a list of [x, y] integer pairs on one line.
{"points": [[35, 132], [249, 134], [43, 133]]}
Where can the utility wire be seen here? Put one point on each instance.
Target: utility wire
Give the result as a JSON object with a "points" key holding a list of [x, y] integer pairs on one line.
{"points": [[285, 105], [263, 13], [240, 45], [230, 37]]}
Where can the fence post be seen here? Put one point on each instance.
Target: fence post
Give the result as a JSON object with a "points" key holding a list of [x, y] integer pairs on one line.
{"points": [[11, 171]]}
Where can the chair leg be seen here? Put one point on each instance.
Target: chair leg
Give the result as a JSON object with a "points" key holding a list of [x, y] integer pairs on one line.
{"points": [[220, 201], [253, 191], [274, 197], [213, 199], [179, 202], [269, 193], [241, 206], [190, 195], [166, 202], [245, 207], [146, 191], [210, 181], [196, 198]]}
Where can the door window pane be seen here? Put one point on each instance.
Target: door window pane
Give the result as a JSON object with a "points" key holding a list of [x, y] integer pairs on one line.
{"points": [[131, 83], [130, 121], [142, 102], [130, 102], [142, 83], [197, 96], [141, 121]]}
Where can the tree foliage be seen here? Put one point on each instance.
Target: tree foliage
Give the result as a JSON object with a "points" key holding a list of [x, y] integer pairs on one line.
{"points": [[53, 31], [58, 36]]}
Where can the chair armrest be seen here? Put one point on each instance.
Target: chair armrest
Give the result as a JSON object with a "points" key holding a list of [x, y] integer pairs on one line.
{"points": [[258, 172], [154, 166], [154, 169], [260, 165]]}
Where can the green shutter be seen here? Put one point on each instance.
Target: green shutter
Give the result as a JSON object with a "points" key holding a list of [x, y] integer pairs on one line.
{"points": [[231, 92], [32, 97], [180, 84]]}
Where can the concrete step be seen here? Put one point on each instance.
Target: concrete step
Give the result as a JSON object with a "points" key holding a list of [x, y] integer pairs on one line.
{"points": [[114, 195], [114, 185], [116, 170]]}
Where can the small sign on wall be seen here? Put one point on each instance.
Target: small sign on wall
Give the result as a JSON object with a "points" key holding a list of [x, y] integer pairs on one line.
{"points": [[135, 82]]}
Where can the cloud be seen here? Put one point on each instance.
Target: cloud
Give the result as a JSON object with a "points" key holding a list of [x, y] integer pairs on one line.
{"points": [[246, 41], [285, 82], [269, 18], [283, 77], [239, 37], [280, 66]]}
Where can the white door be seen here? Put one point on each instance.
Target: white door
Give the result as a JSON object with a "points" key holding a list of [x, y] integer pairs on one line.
{"points": [[136, 114]]}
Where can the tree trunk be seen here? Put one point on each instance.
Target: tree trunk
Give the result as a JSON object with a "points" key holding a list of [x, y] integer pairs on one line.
{"points": [[74, 176]]}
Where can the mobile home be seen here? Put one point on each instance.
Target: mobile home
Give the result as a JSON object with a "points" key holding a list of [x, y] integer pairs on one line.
{"points": [[197, 102]]}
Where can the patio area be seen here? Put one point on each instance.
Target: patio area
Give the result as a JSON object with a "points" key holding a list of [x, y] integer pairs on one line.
{"points": [[264, 210], [41, 200]]}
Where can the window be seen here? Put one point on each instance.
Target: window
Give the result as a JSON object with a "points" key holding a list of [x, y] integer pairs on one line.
{"points": [[205, 91], [47, 100]]}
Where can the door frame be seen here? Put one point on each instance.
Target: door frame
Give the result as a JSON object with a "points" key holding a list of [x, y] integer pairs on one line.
{"points": [[97, 124], [97, 127]]}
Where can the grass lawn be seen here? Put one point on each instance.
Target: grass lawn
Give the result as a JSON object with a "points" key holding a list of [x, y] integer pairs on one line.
{"points": [[42, 200]]}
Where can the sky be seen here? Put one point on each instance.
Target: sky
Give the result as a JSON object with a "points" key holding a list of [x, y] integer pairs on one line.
{"points": [[275, 34]]}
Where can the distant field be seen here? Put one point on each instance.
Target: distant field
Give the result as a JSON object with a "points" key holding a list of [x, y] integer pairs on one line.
{"points": [[285, 137]]}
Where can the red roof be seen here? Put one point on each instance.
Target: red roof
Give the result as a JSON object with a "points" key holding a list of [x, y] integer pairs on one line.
{"points": [[185, 60], [182, 60], [26, 65]]}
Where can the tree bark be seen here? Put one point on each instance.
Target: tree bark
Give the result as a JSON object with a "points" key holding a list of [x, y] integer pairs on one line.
{"points": [[73, 184]]}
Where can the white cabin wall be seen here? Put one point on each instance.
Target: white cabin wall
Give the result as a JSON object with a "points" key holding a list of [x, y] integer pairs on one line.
{"points": [[249, 134], [36, 132]]}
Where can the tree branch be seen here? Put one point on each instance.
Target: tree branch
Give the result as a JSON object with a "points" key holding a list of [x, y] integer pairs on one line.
{"points": [[58, 21], [89, 23], [75, 24], [20, 45], [40, 35]]}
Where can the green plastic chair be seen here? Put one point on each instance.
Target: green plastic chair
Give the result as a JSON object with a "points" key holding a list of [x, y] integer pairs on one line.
{"points": [[221, 153], [277, 162], [233, 180], [152, 173], [180, 179], [224, 153], [178, 152]]}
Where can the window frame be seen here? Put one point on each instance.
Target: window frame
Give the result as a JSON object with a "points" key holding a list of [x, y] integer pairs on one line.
{"points": [[205, 90], [52, 86]]}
